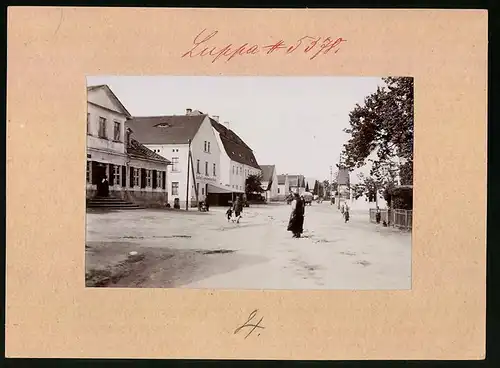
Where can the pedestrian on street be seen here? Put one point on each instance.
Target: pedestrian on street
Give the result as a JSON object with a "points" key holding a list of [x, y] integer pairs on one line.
{"points": [[229, 213], [346, 213], [296, 222], [103, 190], [238, 208]]}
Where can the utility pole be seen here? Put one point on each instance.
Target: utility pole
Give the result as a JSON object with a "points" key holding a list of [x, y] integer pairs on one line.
{"points": [[187, 181]]}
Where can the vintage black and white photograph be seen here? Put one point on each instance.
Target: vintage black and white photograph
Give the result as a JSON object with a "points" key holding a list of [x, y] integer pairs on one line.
{"points": [[282, 183]]}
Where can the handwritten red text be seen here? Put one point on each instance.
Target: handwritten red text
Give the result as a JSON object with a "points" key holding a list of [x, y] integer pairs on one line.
{"points": [[204, 45]]}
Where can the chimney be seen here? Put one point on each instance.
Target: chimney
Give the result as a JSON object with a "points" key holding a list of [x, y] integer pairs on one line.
{"points": [[216, 118], [189, 111]]}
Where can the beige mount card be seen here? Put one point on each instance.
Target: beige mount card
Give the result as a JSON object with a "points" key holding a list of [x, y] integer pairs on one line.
{"points": [[50, 312]]}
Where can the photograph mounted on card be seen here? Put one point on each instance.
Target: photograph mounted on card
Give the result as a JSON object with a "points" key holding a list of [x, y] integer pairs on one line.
{"points": [[246, 183], [193, 199]]}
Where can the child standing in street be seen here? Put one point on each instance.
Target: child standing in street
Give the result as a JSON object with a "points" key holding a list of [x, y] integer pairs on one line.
{"points": [[229, 213]]}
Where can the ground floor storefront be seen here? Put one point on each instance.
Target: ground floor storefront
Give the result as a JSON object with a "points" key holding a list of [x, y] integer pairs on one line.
{"points": [[139, 182]]}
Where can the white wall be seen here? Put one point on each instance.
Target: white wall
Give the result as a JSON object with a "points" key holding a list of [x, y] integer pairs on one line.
{"points": [[109, 144], [205, 133], [225, 162], [169, 151], [104, 150], [177, 174]]}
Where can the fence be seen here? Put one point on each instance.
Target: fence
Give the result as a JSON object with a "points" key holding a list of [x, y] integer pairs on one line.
{"points": [[402, 219]]}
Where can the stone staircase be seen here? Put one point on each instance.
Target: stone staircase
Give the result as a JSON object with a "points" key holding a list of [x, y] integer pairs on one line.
{"points": [[111, 203]]}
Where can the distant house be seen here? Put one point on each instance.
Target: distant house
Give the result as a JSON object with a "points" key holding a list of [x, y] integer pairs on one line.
{"points": [[270, 182], [297, 183], [172, 137], [110, 152], [344, 183], [288, 183]]}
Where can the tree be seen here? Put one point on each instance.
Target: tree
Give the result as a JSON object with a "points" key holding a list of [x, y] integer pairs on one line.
{"points": [[385, 123], [307, 187], [316, 188], [253, 184]]}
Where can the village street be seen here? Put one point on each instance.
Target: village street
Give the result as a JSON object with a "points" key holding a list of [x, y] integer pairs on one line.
{"points": [[202, 250]]}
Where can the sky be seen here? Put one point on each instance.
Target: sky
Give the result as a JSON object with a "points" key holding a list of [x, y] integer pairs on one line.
{"points": [[294, 123]]}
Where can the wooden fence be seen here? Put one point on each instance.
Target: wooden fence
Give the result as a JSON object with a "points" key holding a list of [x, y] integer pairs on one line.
{"points": [[402, 219]]}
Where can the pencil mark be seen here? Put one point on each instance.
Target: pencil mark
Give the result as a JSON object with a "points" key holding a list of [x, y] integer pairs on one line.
{"points": [[250, 325], [60, 21]]}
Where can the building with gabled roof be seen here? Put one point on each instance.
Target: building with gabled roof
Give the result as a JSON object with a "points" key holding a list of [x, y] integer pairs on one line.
{"points": [[133, 171], [270, 182], [291, 183], [238, 161], [173, 137]]}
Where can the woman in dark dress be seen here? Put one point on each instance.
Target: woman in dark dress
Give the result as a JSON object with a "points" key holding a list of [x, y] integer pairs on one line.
{"points": [[296, 223]]}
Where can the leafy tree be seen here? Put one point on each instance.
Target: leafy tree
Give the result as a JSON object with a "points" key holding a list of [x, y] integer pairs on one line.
{"points": [[385, 123], [316, 188], [253, 184]]}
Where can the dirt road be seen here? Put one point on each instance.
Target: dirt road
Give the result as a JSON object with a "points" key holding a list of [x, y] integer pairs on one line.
{"points": [[203, 250]]}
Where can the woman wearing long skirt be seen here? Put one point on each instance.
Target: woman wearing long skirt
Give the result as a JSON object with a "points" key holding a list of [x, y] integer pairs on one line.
{"points": [[296, 223]]}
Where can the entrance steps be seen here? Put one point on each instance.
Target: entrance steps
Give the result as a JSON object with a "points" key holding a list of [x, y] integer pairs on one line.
{"points": [[111, 203]]}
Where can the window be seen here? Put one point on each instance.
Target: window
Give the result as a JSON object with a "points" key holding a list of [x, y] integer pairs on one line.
{"points": [[197, 166], [136, 177], [214, 170], [202, 191], [89, 173], [102, 127], [205, 147], [159, 179], [88, 123], [278, 190], [206, 168], [175, 164], [208, 143], [175, 188], [233, 169], [237, 168], [149, 178], [118, 132], [197, 187], [116, 174]]}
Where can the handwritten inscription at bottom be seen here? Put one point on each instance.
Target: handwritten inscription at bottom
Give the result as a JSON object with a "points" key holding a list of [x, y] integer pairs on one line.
{"points": [[312, 46], [251, 327]]}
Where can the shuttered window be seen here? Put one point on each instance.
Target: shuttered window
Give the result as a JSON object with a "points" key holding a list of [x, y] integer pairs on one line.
{"points": [[124, 176], [143, 178], [111, 175], [155, 179], [164, 179], [132, 180]]}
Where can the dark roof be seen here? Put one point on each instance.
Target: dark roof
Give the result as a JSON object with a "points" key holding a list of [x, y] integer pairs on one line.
{"points": [[137, 150], [235, 147], [175, 129], [267, 172], [293, 180], [113, 96]]}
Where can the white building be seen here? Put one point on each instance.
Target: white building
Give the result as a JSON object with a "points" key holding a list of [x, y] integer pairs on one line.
{"points": [[270, 182], [106, 154], [110, 152], [290, 183], [172, 137], [237, 159]]}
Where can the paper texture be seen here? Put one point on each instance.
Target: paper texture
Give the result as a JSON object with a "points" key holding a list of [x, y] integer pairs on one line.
{"points": [[50, 313]]}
